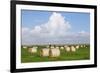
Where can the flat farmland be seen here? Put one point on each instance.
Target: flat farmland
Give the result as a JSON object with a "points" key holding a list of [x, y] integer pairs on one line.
{"points": [[82, 53]]}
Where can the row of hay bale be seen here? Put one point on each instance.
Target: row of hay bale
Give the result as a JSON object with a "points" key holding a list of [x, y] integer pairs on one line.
{"points": [[52, 51], [46, 52], [33, 50]]}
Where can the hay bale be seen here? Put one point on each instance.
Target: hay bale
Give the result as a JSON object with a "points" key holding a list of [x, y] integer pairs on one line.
{"points": [[67, 49], [54, 52], [33, 50], [57, 47], [77, 47], [24, 47], [73, 49], [44, 52], [81, 45], [52, 47], [61, 48]]}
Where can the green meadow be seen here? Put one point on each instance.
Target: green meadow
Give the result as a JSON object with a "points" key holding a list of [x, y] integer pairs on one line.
{"points": [[83, 53]]}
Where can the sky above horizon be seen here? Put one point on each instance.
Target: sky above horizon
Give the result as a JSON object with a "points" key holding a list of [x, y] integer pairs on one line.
{"points": [[40, 27]]}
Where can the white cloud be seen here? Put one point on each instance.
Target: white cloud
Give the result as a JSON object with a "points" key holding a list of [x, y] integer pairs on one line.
{"points": [[55, 25], [54, 31]]}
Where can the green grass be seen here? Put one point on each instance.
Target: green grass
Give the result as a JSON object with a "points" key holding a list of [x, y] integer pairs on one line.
{"points": [[80, 54]]}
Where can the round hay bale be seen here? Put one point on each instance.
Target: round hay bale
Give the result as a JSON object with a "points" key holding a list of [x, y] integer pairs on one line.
{"points": [[73, 49], [33, 50], [54, 52], [52, 47], [44, 52], [57, 47], [81, 45], [61, 48], [24, 47], [77, 47], [67, 49]]}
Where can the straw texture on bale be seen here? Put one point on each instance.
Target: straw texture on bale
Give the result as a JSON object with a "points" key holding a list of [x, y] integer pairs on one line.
{"points": [[52, 47], [44, 52], [57, 47], [67, 49], [54, 52], [73, 49], [24, 47], [32, 50], [81, 45], [77, 47], [61, 48]]}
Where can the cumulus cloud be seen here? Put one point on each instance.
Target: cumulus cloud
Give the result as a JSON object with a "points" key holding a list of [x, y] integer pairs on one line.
{"points": [[55, 25], [53, 31]]}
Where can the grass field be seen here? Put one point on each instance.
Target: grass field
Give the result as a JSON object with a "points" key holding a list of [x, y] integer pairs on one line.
{"points": [[81, 54]]}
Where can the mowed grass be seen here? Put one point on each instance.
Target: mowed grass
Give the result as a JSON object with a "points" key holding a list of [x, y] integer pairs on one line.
{"points": [[81, 54]]}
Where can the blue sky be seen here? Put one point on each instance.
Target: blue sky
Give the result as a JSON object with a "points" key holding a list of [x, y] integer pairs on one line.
{"points": [[75, 22]]}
